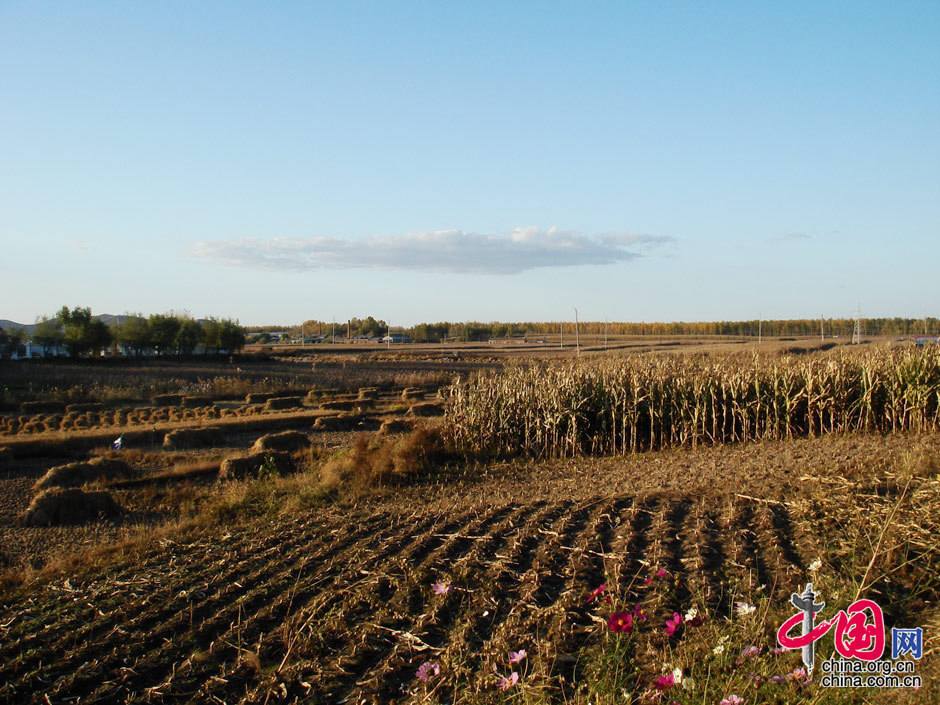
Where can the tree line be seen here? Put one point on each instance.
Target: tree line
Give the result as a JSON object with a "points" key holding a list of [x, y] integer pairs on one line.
{"points": [[80, 333], [479, 331]]}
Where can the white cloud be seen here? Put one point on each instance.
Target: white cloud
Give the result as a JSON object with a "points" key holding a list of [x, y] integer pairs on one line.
{"points": [[436, 251]]}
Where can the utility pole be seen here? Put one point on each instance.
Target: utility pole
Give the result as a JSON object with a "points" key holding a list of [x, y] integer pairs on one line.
{"points": [[822, 335], [760, 330], [348, 329], [857, 330], [333, 332], [577, 335]]}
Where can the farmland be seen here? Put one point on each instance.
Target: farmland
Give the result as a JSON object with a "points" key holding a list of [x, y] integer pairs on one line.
{"points": [[475, 556]]}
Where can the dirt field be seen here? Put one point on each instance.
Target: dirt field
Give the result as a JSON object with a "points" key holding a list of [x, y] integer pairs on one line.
{"points": [[342, 598], [339, 606]]}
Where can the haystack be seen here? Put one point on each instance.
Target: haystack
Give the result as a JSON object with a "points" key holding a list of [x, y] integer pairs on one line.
{"points": [[262, 397], [341, 405], [340, 422], [277, 403], [184, 438], [238, 467], [77, 474], [390, 426], [285, 440], [59, 505], [85, 406], [428, 408], [196, 402]]}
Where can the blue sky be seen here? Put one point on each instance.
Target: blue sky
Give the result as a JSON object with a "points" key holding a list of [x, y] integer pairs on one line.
{"points": [[430, 161]]}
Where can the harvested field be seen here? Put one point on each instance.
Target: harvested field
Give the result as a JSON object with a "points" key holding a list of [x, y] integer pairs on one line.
{"points": [[340, 605]]}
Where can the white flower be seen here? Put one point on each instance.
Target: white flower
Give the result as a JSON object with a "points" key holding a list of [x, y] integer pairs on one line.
{"points": [[743, 608], [815, 565], [691, 614], [719, 650], [688, 683], [677, 675]]}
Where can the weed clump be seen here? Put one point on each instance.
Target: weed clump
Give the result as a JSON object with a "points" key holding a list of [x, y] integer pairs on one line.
{"points": [[264, 465], [382, 460]]}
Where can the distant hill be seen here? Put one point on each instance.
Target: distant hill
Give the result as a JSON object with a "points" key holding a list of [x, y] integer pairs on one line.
{"points": [[6, 324], [13, 325], [109, 319]]}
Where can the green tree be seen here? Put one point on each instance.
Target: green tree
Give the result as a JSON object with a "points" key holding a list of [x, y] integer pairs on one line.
{"points": [[98, 336], [74, 324], [163, 330], [189, 335], [211, 329], [82, 333], [231, 336], [134, 333], [48, 334], [10, 341]]}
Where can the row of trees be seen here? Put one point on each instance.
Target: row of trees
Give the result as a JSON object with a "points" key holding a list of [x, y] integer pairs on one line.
{"points": [[81, 333], [476, 330]]}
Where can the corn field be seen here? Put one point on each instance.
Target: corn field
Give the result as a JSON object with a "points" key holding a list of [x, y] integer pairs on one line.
{"points": [[627, 405]]}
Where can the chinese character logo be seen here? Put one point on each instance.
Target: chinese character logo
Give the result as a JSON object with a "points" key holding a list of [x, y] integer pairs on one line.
{"points": [[907, 642], [859, 630]]}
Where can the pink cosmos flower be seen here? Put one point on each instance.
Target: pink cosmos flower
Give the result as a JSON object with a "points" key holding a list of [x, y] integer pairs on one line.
{"points": [[662, 573], [517, 656], [732, 700], [507, 682], [664, 682], [673, 624], [798, 675], [596, 593], [778, 679], [638, 614], [620, 622], [428, 670], [750, 651], [441, 588]]}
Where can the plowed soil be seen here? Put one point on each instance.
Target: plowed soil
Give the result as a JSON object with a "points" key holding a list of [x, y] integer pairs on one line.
{"points": [[338, 605]]}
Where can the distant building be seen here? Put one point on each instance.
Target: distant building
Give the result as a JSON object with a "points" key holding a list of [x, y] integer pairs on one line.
{"points": [[30, 350], [396, 338]]}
